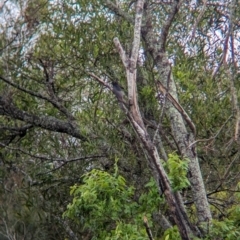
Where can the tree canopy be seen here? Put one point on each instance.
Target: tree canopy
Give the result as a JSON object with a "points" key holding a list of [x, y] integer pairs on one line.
{"points": [[80, 161]]}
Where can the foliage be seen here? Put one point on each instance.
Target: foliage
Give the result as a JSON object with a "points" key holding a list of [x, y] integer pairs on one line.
{"points": [[105, 205], [177, 169], [226, 229], [171, 233], [48, 51]]}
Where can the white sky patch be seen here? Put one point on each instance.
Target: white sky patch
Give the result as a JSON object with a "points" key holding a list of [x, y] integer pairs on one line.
{"points": [[9, 12]]}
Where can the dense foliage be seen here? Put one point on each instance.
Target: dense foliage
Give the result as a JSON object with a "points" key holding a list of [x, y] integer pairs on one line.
{"points": [[72, 165]]}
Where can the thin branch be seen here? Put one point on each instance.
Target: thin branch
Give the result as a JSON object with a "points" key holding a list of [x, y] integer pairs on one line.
{"points": [[199, 18], [49, 81], [15, 132], [148, 230], [214, 192], [226, 42], [178, 107], [15, 129], [119, 11], [223, 59], [227, 171], [213, 137], [34, 94], [161, 97], [222, 190], [100, 80], [168, 23], [215, 205], [10, 42], [65, 162], [43, 158]]}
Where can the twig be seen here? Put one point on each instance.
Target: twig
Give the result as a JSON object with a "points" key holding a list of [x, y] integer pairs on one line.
{"points": [[211, 138], [148, 230], [199, 18], [34, 94], [44, 158], [168, 23], [225, 175], [65, 162], [178, 107], [100, 80]]}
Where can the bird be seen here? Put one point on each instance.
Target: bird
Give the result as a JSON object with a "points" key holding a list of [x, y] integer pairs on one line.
{"points": [[118, 92]]}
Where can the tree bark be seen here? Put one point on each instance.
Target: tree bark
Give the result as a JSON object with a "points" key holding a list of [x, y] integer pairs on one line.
{"points": [[134, 116], [7, 108], [183, 138]]}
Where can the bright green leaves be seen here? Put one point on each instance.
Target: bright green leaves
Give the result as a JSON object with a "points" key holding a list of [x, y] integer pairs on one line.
{"points": [[105, 205], [177, 172], [100, 201], [171, 234], [150, 200], [127, 232]]}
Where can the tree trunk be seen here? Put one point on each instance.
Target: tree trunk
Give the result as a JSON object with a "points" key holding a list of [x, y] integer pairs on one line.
{"points": [[184, 139]]}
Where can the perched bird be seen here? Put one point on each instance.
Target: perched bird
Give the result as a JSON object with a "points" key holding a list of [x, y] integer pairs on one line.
{"points": [[118, 91]]}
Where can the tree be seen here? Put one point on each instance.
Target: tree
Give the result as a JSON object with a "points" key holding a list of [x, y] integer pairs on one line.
{"points": [[59, 119]]}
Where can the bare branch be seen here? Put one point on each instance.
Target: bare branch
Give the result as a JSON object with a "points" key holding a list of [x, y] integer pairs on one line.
{"points": [[227, 171], [100, 80], [223, 59], [121, 52], [178, 107], [48, 123], [148, 230], [65, 162], [213, 137], [14, 133]]}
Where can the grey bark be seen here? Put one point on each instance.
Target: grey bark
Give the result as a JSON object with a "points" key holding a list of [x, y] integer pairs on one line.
{"points": [[7, 108], [132, 111], [182, 136]]}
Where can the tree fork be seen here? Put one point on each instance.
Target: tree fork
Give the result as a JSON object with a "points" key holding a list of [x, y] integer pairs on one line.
{"points": [[133, 113]]}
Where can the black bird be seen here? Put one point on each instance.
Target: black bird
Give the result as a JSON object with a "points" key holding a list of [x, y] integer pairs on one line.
{"points": [[118, 91]]}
